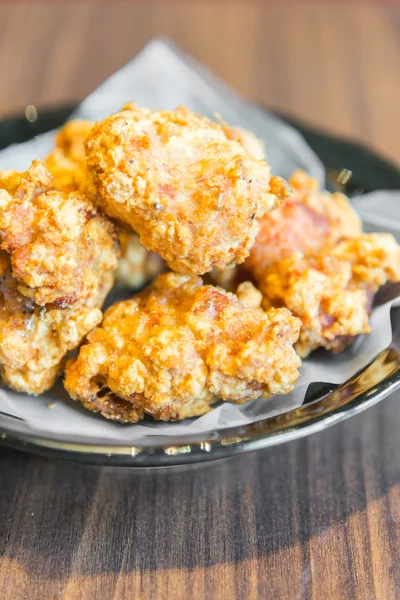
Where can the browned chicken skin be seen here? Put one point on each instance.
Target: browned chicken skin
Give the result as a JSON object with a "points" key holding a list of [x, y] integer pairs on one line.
{"points": [[307, 222], [308, 257]]}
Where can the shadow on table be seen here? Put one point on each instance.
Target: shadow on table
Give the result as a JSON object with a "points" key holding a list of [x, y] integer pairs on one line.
{"points": [[59, 516]]}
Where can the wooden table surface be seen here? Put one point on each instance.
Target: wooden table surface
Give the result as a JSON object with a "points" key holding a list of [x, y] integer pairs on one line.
{"points": [[317, 518]]}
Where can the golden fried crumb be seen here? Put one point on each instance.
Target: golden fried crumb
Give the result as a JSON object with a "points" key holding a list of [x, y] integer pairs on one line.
{"points": [[67, 162], [309, 221], [332, 292], [375, 259], [302, 182], [191, 194], [35, 339], [178, 347], [58, 243], [136, 266], [9, 180], [248, 140], [249, 295]]}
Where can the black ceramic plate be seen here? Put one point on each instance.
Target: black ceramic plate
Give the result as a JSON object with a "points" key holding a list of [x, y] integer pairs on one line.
{"points": [[323, 406]]}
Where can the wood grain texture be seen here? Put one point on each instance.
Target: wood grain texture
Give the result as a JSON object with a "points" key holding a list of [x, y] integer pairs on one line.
{"points": [[333, 64], [318, 518]]}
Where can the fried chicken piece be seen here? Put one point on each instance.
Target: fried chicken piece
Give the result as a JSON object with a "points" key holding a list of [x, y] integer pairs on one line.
{"points": [[307, 222], [173, 176], [67, 162], [58, 243], [178, 347], [332, 292], [136, 266], [35, 339]]}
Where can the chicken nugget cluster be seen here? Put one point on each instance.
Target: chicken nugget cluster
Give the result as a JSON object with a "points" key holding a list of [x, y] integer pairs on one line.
{"points": [[287, 268], [57, 258], [67, 161], [178, 347]]}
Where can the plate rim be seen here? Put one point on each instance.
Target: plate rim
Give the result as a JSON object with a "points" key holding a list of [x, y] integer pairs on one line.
{"points": [[163, 455], [347, 400]]}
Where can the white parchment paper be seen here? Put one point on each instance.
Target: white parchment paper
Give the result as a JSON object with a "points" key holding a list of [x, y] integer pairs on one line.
{"points": [[163, 77]]}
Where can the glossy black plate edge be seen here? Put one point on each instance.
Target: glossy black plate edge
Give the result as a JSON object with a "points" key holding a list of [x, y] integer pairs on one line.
{"points": [[370, 171]]}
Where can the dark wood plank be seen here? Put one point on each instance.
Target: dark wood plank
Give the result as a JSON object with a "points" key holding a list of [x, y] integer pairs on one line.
{"points": [[311, 519], [316, 518]]}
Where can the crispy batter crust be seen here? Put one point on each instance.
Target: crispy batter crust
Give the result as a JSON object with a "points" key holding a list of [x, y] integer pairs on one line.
{"points": [[309, 221], [175, 178], [67, 162], [10, 180], [58, 243], [178, 347], [249, 295], [35, 339], [332, 292]]}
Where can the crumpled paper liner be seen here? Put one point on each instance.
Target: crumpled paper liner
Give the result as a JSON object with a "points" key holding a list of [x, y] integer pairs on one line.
{"points": [[163, 77]]}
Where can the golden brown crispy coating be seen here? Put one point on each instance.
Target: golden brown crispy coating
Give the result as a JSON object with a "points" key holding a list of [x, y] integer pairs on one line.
{"points": [[307, 222], [136, 266], [10, 180], [332, 292], [67, 162], [58, 243], [178, 347], [35, 339], [249, 295], [374, 257], [191, 194]]}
